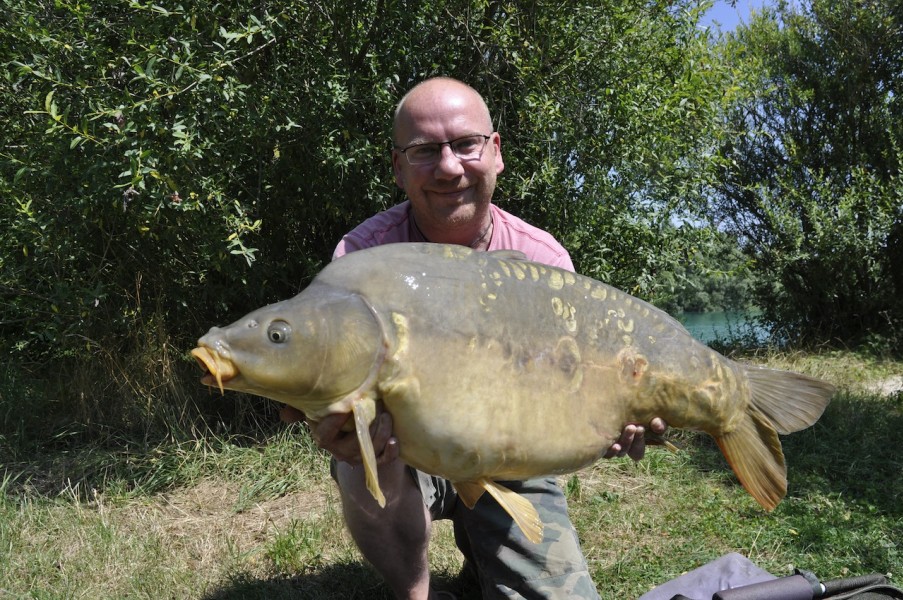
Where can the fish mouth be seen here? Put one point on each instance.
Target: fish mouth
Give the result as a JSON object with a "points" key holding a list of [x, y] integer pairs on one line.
{"points": [[218, 370]]}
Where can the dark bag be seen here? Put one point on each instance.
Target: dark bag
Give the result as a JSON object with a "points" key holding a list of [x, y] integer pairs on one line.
{"points": [[804, 585]]}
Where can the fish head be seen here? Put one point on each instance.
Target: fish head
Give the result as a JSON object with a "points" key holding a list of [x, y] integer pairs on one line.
{"points": [[309, 351]]}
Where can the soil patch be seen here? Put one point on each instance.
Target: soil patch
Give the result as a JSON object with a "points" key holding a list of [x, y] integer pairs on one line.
{"points": [[887, 387]]}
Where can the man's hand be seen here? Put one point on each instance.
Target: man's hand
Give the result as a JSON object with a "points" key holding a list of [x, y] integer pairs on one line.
{"points": [[343, 445], [631, 442]]}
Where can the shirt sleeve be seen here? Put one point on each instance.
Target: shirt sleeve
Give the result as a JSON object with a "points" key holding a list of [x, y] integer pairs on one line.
{"points": [[346, 245], [564, 261]]}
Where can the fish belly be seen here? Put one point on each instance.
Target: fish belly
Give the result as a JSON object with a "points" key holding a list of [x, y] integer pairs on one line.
{"points": [[504, 410]]}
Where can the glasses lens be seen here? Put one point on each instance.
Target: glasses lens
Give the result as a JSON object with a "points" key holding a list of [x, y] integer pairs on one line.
{"points": [[469, 148], [465, 148], [423, 153]]}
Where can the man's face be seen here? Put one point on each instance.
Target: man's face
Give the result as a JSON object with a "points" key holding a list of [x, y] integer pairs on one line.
{"points": [[451, 192]]}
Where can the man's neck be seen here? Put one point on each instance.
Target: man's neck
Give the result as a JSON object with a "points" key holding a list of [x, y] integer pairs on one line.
{"points": [[476, 237]]}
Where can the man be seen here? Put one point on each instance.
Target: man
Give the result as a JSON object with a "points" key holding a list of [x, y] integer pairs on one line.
{"points": [[446, 159]]}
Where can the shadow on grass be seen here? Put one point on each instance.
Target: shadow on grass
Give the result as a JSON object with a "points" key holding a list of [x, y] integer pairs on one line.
{"points": [[854, 453], [343, 580], [60, 435], [73, 459]]}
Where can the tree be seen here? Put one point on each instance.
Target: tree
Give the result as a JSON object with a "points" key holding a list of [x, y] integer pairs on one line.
{"points": [[169, 167], [811, 178]]}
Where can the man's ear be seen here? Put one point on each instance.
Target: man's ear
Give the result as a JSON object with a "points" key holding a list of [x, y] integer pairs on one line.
{"points": [[396, 168], [496, 141]]}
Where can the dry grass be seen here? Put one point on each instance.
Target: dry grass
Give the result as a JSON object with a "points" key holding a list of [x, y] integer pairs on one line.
{"points": [[201, 529]]}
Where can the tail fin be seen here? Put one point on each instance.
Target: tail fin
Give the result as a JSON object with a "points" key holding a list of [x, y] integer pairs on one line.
{"points": [[791, 401], [781, 402], [754, 452]]}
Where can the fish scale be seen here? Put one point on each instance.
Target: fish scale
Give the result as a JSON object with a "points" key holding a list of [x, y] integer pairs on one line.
{"points": [[495, 368]]}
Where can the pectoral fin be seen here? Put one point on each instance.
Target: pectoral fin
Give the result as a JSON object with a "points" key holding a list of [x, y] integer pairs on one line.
{"points": [[364, 411], [520, 509]]}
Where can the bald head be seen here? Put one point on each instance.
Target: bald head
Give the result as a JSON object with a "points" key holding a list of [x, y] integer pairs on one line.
{"points": [[438, 95], [450, 196]]}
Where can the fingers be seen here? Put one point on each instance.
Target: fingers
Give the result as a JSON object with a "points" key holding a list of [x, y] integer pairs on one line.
{"points": [[612, 451], [290, 414], [344, 446], [632, 443], [328, 435], [637, 448], [385, 445], [630, 436]]}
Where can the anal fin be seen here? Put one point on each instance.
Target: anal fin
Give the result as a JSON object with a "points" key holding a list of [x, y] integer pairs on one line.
{"points": [[469, 492], [519, 508]]}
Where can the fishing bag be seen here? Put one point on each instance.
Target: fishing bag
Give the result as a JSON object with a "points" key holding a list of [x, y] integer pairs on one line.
{"points": [[735, 577], [804, 585]]}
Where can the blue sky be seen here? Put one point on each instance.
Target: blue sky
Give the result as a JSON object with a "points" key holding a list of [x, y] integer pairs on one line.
{"points": [[727, 16]]}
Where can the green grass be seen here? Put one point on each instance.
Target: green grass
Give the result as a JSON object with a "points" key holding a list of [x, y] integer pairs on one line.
{"points": [[228, 516]]}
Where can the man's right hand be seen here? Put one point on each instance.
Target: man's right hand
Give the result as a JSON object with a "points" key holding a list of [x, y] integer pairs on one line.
{"points": [[343, 445]]}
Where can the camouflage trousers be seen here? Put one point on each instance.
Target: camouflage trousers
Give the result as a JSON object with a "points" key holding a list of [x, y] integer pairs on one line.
{"points": [[507, 564]]}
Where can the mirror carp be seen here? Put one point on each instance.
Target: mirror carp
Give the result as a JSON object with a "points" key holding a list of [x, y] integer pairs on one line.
{"points": [[495, 368]]}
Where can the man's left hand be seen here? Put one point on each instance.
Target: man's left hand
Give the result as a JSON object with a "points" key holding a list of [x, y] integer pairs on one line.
{"points": [[631, 443]]}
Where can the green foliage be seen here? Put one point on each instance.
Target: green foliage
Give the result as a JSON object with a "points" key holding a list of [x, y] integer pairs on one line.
{"points": [[811, 180], [296, 550], [117, 225], [607, 114], [169, 167], [714, 276], [166, 168]]}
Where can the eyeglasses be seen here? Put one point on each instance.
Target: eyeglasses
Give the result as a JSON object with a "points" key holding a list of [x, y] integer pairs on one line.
{"points": [[469, 147]]}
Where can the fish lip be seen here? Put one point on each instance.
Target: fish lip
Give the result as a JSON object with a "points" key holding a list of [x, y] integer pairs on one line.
{"points": [[218, 369]]}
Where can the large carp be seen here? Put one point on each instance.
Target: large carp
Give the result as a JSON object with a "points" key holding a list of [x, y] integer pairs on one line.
{"points": [[495, 368]]}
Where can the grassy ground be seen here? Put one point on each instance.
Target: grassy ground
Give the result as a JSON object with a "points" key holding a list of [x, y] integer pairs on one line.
{"points": [[228, 516]]}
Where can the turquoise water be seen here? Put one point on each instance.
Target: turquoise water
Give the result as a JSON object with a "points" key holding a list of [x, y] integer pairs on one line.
{"points": [[709, 326]]}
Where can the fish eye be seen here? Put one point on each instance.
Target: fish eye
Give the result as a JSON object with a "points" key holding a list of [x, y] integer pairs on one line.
{"points": [[278, 332]]}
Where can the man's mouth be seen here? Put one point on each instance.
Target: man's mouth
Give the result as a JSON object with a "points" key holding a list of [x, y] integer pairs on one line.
{"points": [[452, 193]]}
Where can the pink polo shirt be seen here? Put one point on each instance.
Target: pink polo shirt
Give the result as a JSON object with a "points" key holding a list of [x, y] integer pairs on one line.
{"points": [[508, 233]]}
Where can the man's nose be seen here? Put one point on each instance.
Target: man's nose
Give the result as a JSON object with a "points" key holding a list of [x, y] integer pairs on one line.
{"points": [[449, 165]]}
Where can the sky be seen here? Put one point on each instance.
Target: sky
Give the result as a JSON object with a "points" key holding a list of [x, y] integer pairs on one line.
{"points": [[729, 17]]}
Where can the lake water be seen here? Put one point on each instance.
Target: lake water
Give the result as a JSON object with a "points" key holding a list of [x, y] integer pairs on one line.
{"points": [[709, 326]]}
